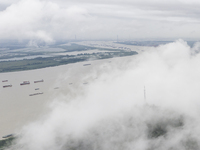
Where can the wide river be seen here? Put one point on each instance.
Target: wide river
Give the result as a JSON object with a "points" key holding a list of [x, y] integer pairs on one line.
{"points": [[17, 108]]}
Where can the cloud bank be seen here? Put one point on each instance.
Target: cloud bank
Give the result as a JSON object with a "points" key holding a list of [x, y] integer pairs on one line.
{"points": [[51, 21], [111, 113]]}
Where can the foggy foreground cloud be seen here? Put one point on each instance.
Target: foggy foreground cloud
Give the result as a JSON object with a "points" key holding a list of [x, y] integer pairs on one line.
{"points": [[111, 113]]}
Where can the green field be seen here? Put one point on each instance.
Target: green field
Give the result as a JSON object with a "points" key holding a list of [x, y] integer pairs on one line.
{"points": [[42, 62]]}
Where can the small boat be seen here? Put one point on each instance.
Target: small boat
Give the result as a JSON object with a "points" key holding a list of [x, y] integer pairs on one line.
{"points": [[5, 86], [86, 64], [39, 81], [25, 83], [35, 94]]}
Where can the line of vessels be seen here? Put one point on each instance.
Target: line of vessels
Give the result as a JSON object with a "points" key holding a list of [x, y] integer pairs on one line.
{"points": [[25, 83], [37, 81]]}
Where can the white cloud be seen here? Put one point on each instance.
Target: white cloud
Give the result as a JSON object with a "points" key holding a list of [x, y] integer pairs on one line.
{"points": [[100, 19], [35, 19]]}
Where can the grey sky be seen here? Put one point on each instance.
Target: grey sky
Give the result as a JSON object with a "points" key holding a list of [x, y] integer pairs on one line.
{"points": [[54, 20]]}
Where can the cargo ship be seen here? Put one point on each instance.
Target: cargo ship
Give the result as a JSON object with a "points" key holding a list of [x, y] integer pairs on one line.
{"points": [[25, 83], [86, 64], [35, 94], [5, 86], [39, 81]]}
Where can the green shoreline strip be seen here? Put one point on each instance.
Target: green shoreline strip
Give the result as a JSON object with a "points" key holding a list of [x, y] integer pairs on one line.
{"points": [[40, 62]]}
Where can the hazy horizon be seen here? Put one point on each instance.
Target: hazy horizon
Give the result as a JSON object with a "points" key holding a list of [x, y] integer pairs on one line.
{"points": [[50, 21]]}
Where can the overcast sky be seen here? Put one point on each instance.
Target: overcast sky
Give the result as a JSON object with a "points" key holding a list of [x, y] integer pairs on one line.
{"points": [[53, 20]]}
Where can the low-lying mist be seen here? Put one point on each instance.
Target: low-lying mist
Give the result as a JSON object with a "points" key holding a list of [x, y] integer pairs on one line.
{"points": [[111, 113]]}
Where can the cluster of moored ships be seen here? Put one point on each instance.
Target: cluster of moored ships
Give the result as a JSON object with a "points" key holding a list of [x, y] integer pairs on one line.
{"points": [[37, 81], [25, 83]]}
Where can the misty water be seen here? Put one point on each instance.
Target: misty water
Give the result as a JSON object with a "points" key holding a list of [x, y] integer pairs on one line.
{"points": [[111, 112]]}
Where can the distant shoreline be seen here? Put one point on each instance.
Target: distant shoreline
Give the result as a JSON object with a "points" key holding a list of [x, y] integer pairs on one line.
{"points": [[57, 60]]}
